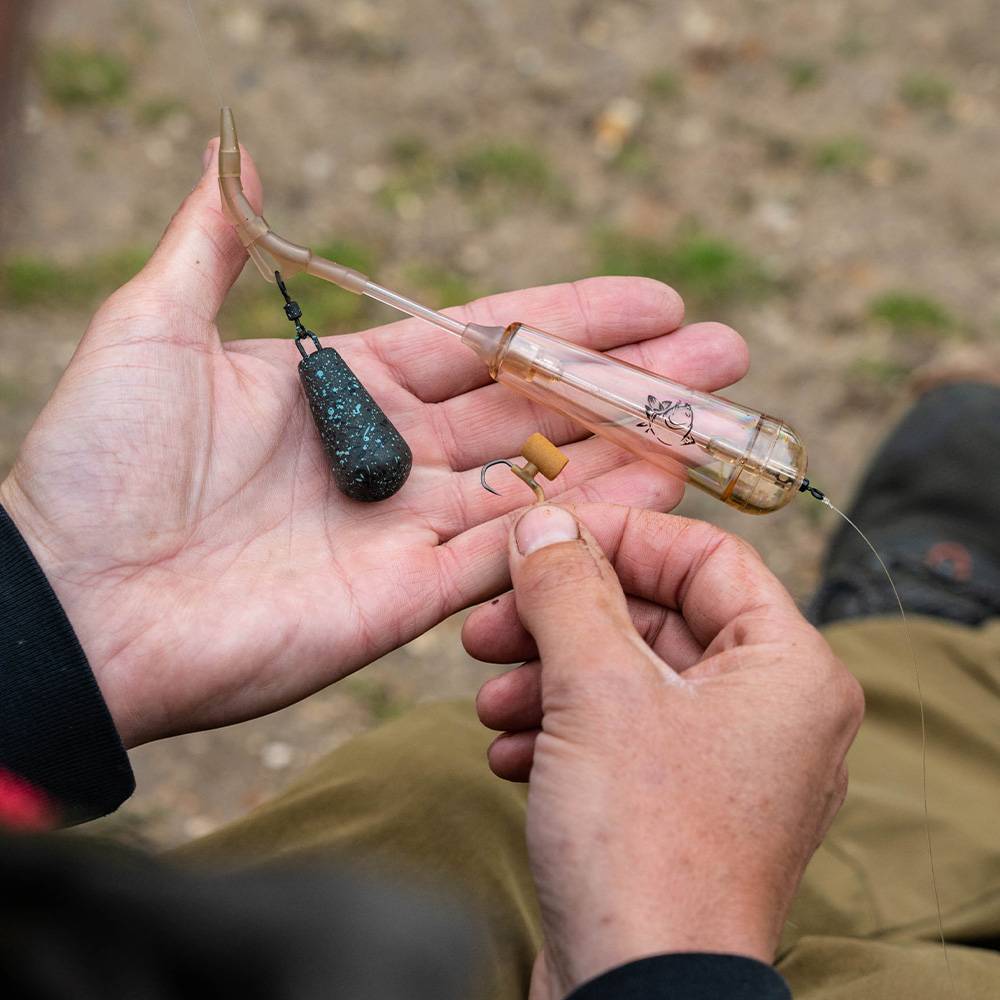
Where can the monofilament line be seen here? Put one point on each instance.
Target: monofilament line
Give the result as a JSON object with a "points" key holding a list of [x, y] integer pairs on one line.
{"points": [[205, 50], [923, 740]]}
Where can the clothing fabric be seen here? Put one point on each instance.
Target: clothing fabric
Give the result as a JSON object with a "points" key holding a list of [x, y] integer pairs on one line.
{"points": [[686, 977], [83, 920], [415, 800], [864, 923], [56, 731]]}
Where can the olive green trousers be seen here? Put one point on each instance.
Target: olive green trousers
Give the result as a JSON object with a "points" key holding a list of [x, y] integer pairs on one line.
{"points": [[416, 797]]}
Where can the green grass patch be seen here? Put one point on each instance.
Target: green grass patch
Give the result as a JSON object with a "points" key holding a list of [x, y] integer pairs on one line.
{"points": [[879, 370], [842, 154], [29, 281], [12, 391], [636, 160], [439, 287], [802, 74], [926, 92], [360, 256], [257, 311], [365, 46], [414, 171], [156, 110], [78, 78], [854, 42], [912, 314], [408, 149], [516, 168], [89, 156], [665, 86], [378, 698], [711, 274], [416, 180]]}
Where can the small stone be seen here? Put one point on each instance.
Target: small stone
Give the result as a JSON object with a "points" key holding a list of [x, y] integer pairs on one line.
{"points": [[965, 108], [276, 756], [529, 61], [693, 132], [317, 165], [244, 26], [777, 215], [615, 126], [880, 171], [361, 16], [702, 28]]}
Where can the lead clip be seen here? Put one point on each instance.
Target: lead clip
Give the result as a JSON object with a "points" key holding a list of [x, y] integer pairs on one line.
{"points": [[543, 458]]}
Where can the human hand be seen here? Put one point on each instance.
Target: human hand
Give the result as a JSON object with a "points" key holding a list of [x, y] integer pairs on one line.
{"points": [[175, 492], [684, 768]]}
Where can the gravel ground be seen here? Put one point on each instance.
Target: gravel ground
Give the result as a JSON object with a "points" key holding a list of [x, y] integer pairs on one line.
{"points": [[819, 173]]}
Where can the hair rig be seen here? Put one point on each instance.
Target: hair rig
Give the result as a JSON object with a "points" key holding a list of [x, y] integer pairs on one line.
{"points": [[543, 458]]}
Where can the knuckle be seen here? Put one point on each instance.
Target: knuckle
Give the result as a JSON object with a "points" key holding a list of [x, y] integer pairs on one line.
{"points": [[843, 695], [717, 542], [721, 548], [854, 698]]}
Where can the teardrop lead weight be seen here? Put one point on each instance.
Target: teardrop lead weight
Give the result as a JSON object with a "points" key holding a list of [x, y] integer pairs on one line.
{"points": [[368, 457]]}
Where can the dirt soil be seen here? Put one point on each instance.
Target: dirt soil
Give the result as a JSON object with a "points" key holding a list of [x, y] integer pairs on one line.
{"points": [[840, 155]]}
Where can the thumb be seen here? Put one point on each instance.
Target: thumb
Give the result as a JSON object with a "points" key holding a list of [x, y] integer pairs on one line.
{"points": [[569, 598], [195, 263]]}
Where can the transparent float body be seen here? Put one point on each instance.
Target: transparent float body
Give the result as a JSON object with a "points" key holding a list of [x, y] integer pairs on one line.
{"points": [[744, 458]]}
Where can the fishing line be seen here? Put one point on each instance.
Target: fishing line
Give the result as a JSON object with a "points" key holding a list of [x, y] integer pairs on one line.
{"points": [[201, 39], [923, 731]]}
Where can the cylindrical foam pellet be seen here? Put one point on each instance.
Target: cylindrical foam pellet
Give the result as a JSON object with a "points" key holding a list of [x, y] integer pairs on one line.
{"points": [[544, 455]]}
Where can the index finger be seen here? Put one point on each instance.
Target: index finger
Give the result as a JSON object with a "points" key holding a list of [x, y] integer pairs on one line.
{"points": [[707, 574], [599, 313]]}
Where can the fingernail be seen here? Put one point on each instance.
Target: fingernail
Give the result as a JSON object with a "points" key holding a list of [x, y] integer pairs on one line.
{"points": [[207, 157], [544, 525]]}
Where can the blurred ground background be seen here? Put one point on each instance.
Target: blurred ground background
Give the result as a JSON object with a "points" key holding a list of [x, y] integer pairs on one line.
{"points": [[822, 174]]}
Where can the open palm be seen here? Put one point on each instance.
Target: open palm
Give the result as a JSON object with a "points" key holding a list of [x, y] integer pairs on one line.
{"points": [[176, 494]]}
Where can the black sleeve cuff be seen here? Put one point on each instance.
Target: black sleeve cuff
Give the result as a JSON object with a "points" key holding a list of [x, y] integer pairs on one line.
{"points": [[55, 730], [694, 976]]}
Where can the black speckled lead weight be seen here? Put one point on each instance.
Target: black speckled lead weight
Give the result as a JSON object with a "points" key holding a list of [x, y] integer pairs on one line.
{"points": [[368, 457]]}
